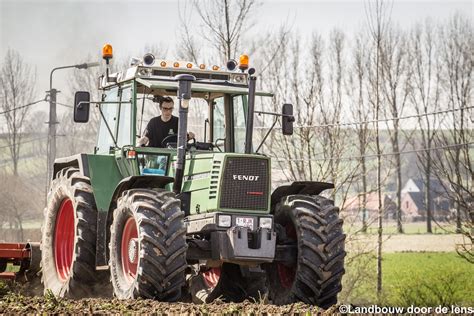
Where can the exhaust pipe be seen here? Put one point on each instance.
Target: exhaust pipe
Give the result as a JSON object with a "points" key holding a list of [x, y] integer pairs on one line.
{"points": [[184, 95]]}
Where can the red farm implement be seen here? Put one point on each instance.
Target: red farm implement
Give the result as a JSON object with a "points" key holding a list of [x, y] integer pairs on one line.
{"points": [[25, 256]]}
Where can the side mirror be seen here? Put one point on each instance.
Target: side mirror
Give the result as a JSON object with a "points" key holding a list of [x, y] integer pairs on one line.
{"points": [[81, 106], [287, 119]]}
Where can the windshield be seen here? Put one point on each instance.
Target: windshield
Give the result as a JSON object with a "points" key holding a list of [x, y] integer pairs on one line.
{"points": [[212, 120]]}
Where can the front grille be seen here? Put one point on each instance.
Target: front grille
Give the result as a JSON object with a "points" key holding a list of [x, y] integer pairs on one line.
{"points": [[245, 184]]}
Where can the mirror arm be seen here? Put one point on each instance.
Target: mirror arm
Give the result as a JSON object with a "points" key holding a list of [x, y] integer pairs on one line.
{"points": [[268, 133], [79, 105], [291, 117]]}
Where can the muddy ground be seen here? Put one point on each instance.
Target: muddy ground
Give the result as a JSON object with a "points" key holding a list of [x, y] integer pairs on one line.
{"points": [[13, 302]]}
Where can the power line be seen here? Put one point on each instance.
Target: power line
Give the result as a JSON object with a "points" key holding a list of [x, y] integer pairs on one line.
{"points": [[375, 155], [25, 142], [23, 106], [64, 104], [374, 121]]}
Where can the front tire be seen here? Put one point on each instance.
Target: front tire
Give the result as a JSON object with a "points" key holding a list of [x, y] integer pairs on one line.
{"points": [[148, 246], [68, 244], [312, 223]]}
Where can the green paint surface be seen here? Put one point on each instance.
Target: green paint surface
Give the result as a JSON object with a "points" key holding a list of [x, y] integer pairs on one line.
{"points": [[105, 175]]}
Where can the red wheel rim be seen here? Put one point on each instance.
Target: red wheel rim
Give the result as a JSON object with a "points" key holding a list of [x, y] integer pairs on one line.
{"points": [[64, 234], [286, 273], [130, 249], [212, 276]]}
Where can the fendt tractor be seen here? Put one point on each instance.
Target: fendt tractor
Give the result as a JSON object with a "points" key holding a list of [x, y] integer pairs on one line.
{"points": [[193, 219]]}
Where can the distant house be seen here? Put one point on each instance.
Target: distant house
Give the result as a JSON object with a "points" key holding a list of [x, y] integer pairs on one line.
{"points": [[418, 185], [413, 205], [353, 206]]}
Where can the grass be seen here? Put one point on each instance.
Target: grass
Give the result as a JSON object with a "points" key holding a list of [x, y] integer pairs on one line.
{"points": [[420, 279]]}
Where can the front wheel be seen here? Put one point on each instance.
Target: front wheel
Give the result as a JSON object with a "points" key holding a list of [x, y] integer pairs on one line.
{"points": [[148, 246], [68, 245], [312, 224]]}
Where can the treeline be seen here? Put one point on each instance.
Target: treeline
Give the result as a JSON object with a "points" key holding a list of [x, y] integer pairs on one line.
{"points": [[349, 90]]}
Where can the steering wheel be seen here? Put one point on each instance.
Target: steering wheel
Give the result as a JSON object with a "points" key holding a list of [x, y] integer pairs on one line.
{"points": [[172, 140]]}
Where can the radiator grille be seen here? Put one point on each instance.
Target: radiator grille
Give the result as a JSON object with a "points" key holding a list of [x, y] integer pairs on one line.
{"points": [[245, 184], [216, 166]]}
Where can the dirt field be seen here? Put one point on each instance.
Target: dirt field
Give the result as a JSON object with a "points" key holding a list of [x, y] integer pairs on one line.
{"points": [[14, 300], [17, 304]]}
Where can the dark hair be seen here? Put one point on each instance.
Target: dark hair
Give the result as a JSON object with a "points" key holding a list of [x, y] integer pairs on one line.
{"points": [[165, 99]]}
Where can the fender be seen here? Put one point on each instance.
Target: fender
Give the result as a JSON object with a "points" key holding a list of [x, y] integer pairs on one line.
{"points": [[79, 161], [104, 219], [299, 187]]}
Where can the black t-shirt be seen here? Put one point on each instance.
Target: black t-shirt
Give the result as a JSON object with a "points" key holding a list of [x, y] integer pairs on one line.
{"points": [[157, 130]]}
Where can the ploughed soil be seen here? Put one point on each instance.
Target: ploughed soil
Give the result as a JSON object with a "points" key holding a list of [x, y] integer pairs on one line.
{"points": [[13, 301], [15, 305]]}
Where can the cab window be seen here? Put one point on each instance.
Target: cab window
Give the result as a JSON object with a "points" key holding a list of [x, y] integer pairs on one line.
{"points": [[110, 114], [239, 106], [124, 136]]}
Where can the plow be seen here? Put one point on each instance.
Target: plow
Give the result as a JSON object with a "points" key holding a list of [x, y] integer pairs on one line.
{"points": [[191, 218], [25, 257]]}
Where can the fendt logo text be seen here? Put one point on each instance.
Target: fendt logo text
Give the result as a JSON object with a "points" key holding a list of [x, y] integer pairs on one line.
{"points": [[242, 177]]}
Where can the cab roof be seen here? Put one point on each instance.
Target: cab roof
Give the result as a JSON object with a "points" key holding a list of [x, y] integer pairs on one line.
{"points": [[160, 80]]}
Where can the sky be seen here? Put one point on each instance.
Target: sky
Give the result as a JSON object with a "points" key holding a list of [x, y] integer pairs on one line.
{"points": [[56, 33]]}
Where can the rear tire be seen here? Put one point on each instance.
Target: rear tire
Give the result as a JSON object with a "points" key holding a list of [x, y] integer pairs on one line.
{"points": [[148, 225], [68, 244], [313, 224]]}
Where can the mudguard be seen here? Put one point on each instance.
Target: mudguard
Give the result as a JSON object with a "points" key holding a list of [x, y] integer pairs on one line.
{"points": [[78, 161], [299, 187]]}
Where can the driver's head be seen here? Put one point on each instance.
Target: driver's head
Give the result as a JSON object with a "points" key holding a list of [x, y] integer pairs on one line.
{"points": [[166, 108]]}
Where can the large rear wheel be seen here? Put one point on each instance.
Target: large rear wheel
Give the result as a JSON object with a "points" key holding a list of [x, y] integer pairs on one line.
{"points": [[68, 245], [313, 225], [148, 246]]}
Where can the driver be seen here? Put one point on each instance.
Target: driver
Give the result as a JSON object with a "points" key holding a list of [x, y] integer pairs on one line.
{"points": [[161, 126]]}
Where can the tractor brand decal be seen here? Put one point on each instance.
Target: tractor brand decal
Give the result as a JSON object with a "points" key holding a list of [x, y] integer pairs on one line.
{"points": [[197, 176], [241, 177]]}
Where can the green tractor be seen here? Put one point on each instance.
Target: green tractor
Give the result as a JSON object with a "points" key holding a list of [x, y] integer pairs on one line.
{"points": [[192, 220]]}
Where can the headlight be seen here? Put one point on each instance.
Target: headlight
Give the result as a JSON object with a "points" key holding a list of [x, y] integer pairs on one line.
{"points": [[238, 78], [224, 220], [266, 222]]}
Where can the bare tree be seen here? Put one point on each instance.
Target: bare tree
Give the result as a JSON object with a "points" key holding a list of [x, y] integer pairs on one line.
{"points": [[425, 94], [223, 25], [188, 47], [454, 165], [17, 82], [18, 201], [394, 61], [357, 87], [290, 83], [378, 19]]}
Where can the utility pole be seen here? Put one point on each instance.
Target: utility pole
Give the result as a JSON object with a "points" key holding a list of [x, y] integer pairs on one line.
{"points": [[53, 118], [52, 131]]}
